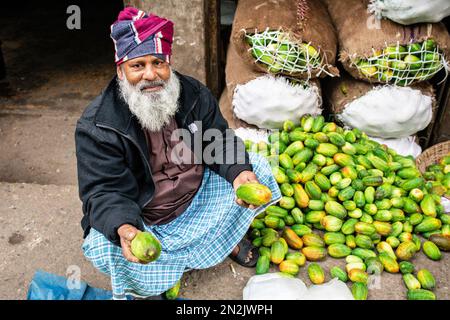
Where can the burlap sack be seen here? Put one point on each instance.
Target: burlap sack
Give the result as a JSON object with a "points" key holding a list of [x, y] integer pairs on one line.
{"points": [[359, 35], [227, 111], [304, 20], [237, 72]]}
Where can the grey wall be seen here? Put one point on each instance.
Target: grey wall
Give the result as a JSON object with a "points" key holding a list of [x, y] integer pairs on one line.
{"points": [[188, 55]]}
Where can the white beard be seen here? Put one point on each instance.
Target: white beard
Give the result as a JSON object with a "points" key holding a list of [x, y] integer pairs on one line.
{"points": [[152, 109]]}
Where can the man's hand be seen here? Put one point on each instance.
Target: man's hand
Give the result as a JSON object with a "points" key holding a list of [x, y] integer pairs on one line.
{"points": [[127, 233], [244, 177]]}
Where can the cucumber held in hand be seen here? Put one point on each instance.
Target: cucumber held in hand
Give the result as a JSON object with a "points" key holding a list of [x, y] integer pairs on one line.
{"points": [[254, 193], [145, 247]]}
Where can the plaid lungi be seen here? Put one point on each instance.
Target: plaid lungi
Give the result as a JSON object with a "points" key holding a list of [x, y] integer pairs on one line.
{"points": [[201, 237]]}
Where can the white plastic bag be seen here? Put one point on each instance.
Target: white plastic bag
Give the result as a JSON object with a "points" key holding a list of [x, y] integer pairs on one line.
{"points": [[408, 12], [268, 101], [446, 204], [389, 112], [276, 286], [404, 146], [334, 289]]}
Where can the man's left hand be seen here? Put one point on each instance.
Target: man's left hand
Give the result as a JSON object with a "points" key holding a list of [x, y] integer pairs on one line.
{"points": [[244, 177]]}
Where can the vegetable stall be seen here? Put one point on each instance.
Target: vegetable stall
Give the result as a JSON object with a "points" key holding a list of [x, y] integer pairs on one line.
{"points": [[337, 110]]}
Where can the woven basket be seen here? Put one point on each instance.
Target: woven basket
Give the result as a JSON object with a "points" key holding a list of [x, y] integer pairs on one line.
{"points": [[432, 155]]}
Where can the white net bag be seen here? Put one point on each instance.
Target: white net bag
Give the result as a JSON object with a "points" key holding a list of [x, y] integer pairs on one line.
{"points": [[389, 112], [268, 101]]}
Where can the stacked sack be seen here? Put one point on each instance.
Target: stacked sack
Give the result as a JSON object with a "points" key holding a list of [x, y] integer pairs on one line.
{"points": [[277, 51], [386, 94]]}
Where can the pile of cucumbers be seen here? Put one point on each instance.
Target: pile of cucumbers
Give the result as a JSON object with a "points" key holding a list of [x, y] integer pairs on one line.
{"points": [[345, 196]]}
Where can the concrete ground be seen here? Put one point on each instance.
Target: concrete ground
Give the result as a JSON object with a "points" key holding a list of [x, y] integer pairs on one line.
{"points": [[39, 207], [41, 231]]}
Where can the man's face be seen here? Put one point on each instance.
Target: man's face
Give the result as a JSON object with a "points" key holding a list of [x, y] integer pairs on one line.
{"points": [[151, 89], [147, 68]]}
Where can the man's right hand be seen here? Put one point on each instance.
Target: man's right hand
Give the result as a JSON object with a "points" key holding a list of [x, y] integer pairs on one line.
{"points": [[127, 233]]}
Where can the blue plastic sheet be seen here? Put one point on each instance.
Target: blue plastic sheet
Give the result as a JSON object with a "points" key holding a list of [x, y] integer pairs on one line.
{"points": [[47, 286]]}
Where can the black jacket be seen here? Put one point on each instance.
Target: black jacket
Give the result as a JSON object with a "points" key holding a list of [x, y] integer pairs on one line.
{"points": [[114, 175]]}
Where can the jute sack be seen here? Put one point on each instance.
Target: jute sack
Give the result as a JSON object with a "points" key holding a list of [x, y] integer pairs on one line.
{"points": [[362, 36], [303, 21], [227, 112], [265, 101], [384, 111], [236, 72]]}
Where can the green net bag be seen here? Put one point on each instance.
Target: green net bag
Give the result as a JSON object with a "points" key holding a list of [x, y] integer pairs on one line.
{"points": [[403, 64], [387, 52]]}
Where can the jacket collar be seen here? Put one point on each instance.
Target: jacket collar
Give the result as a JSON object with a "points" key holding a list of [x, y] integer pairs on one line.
{"points": [[114, 112]]}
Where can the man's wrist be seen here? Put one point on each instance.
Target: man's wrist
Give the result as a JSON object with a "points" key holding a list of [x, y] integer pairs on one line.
{"points": [[236, 170], [123, 228]]}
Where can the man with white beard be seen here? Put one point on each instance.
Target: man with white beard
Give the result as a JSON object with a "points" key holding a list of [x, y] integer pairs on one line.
{"points": [[153, 102], [130, 181]]}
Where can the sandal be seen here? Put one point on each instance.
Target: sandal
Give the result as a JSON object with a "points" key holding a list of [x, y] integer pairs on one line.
{"points": [[242, 258]]}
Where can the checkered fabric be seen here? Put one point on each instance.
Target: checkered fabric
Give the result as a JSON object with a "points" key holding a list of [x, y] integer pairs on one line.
{"points": [[136, 33], [201, 237]]}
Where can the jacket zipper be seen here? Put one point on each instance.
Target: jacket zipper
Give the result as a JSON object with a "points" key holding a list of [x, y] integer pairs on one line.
{"points": [[140, 151], [190, 110]]}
